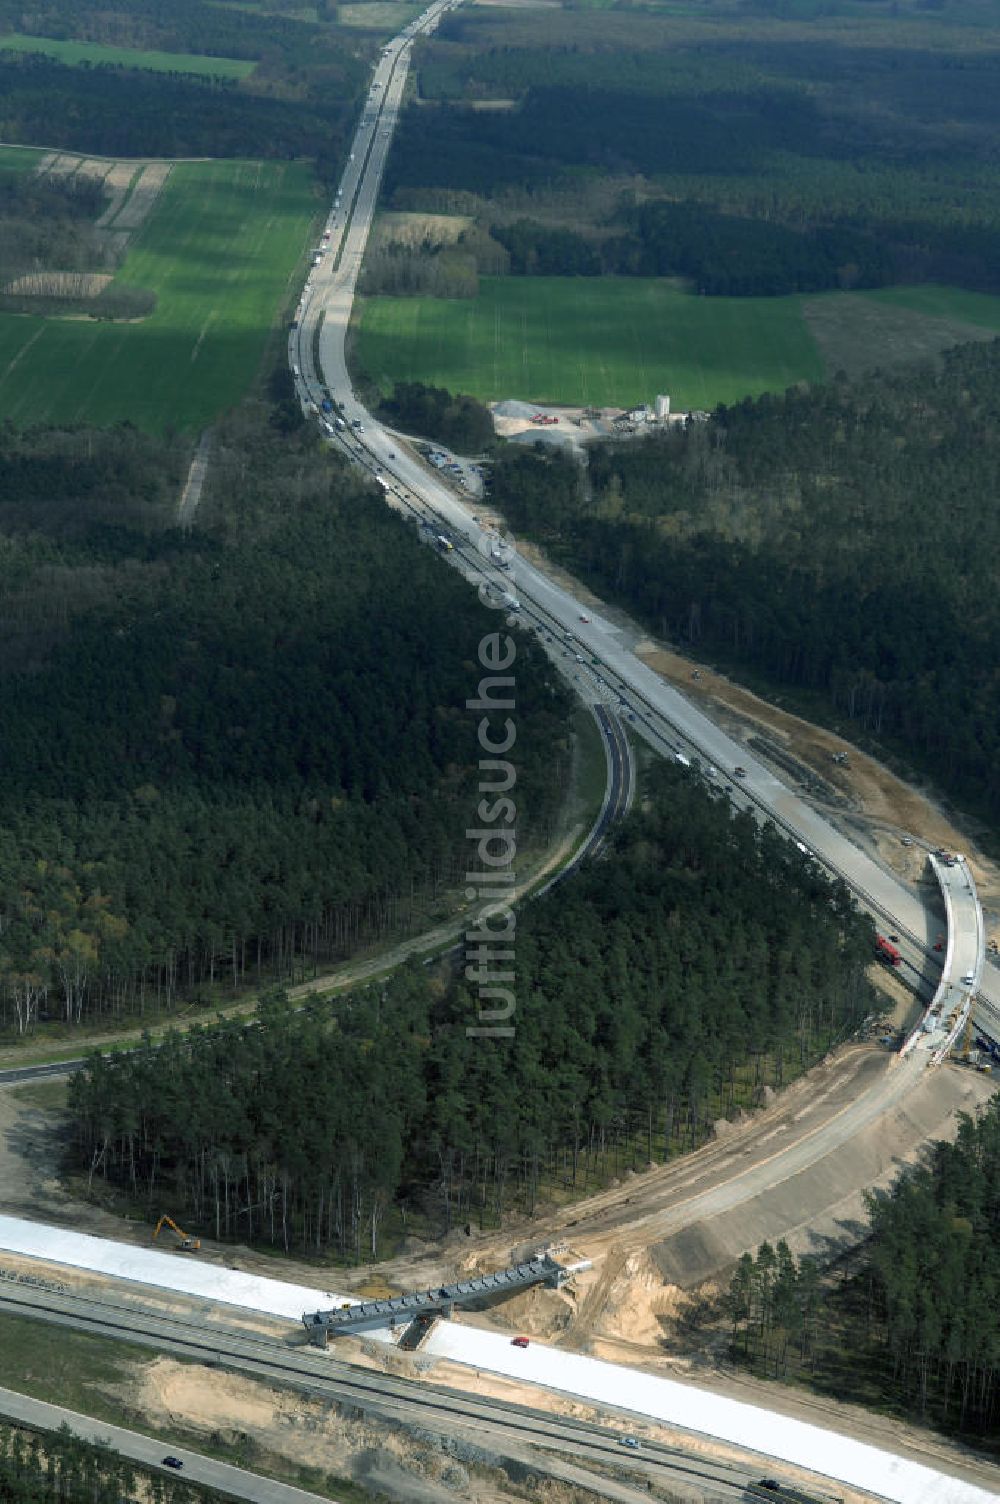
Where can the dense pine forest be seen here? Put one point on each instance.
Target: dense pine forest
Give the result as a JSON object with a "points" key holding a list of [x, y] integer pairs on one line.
{"points": [[39, 1468], [840, 543], [752, 157], [657, 990], [459, 422], [235, 752], [196, 26], [913, 1325], [116, 112], [301, 99]]}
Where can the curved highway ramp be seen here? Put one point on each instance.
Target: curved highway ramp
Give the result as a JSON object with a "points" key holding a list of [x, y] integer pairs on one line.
{"points": [[949, 1012]]}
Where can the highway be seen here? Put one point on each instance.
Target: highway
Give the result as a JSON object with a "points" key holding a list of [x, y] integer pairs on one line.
{"points": [[34, 1072], [964, 955], [638, 1397], [609, 674], [660, 712], [966, 941], [618, 795], [236, 1482], [508, 1430]]}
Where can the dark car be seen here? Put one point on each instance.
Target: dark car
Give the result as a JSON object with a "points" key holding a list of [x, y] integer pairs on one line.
{"points": [[174, 1462]]}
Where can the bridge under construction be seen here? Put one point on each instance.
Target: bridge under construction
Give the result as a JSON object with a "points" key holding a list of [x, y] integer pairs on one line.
{"points": [[370, 1315]]}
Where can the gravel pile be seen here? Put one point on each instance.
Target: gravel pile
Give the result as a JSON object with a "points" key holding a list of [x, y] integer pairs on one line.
{"points": [[512, 408]]}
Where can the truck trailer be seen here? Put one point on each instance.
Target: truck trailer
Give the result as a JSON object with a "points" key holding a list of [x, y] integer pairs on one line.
{"points": [[886, 951]]}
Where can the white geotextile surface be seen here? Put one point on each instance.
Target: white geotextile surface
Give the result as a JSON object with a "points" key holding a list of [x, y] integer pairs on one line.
{"points": [[693, 1409], [170, 1271], [778, 1436]]}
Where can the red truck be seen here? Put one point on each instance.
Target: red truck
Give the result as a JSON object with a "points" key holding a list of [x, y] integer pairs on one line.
{"points": [[886, 951]]}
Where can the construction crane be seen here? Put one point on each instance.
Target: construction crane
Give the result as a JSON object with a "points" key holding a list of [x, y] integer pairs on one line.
{"points": [[188, 1245]]}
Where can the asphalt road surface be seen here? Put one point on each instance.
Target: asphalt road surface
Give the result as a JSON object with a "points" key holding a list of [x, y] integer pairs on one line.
{"points": [[511, 1431], [33, 1072], [234, 1481], [657, 707], [619, 791]]}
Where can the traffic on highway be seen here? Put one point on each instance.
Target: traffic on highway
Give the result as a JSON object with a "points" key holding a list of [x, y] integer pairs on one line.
{"points": [[607, 668]]}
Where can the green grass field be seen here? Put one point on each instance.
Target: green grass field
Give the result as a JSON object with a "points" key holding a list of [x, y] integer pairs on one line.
{"points": [[857, 331], [615, 342], [980, 308], [579, 340], [19, 158], [378, 15], [219, 248], [127, 57]]}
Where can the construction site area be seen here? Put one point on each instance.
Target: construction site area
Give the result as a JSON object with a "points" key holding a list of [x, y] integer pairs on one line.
{"points": [[650, 1256]]}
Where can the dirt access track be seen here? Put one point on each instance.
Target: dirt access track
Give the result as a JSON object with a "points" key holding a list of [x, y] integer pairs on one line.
{"points": [[797, 1170], [858, 793]]}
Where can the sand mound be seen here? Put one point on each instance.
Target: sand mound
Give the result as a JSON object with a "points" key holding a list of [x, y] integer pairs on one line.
{"points": [[538, 1312], [208, 1404], [552, 436], [637, 1301], [305, 1431]]}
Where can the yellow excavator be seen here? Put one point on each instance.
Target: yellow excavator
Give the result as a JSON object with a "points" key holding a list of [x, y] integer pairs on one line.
{"points": [[188, 1245]]}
